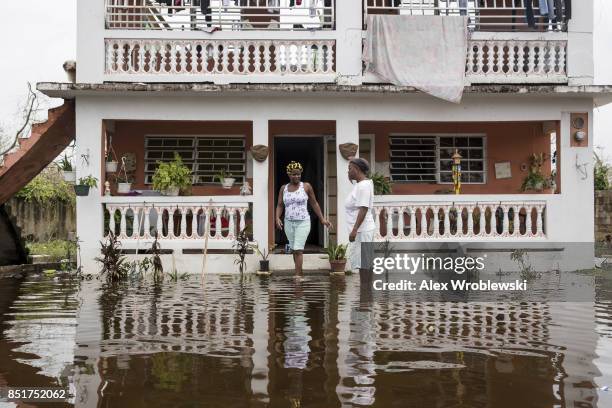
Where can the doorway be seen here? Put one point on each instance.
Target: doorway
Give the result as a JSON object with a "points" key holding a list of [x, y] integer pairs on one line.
{"points": [[309, 151]]}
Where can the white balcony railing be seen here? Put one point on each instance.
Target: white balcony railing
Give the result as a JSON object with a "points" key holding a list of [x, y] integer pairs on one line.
{"points": [[211, 15], [172, 218], [232, 59], [464, 219], [484, 15], [517, 61]]}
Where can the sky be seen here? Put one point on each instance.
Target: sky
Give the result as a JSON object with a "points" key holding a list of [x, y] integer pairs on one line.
{"points": [[38, 49], [37, 36]]}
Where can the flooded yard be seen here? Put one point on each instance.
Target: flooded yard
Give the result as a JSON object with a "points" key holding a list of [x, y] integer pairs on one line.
{"points": [[276, 342]]}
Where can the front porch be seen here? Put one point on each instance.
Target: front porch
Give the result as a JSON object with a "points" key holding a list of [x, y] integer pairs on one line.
{"points": [[492, 208]]}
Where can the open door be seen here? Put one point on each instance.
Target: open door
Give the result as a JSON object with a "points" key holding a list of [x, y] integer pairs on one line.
{"points": [[309, 151]]}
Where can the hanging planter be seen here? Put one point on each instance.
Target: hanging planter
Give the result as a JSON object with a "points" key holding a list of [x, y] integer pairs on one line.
{"points": [[81, 190], [85, 184], [69, 176], [111, 166]]}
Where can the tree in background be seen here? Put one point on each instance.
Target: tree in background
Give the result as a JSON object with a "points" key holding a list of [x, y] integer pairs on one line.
{"points": [[601, 170]]}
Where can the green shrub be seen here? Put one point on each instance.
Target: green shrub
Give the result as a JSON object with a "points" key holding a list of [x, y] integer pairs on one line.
{"points": [[56, 249], [47, 187], [172, 174]]}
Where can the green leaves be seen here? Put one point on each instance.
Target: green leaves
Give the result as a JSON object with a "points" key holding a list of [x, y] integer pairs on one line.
{"points": [[172, 174], [382, 186], [90, 181], [337, 252]]}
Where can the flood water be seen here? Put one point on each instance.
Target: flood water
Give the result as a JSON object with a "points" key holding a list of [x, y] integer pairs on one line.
{"points": [[275, 342]]}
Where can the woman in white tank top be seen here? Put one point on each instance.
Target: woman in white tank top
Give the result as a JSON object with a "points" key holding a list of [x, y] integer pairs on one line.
{"points": [[293, 198]]}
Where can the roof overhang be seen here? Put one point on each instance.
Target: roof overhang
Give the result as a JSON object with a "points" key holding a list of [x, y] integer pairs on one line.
{"points": [[71, 90]]}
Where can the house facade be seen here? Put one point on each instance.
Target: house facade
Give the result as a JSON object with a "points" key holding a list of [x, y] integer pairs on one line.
{"points": [[211, 81]]}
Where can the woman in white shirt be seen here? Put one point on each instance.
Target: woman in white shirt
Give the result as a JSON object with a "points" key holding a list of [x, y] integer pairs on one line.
{"points": [[358, 207]]}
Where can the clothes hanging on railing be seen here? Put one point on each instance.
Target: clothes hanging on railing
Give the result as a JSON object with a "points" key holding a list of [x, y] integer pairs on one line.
{"points": [[558, 10], [529, 14], [205, 9], [422, 60], [463, 5], [543, 5]]}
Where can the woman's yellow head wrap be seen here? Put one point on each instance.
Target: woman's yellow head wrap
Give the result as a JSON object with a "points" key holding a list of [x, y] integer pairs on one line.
{"points": [[294, 166]]}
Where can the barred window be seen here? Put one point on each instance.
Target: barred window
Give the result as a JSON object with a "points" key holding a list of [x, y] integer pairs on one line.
{"points": [[204, 155], [428, 159]]}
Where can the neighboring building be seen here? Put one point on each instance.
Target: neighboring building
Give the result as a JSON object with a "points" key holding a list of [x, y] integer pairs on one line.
{"points": [[153, 80]]}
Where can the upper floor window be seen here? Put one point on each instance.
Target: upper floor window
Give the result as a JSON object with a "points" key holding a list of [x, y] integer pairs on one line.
{"points": [[428, 159], [206, 156]]}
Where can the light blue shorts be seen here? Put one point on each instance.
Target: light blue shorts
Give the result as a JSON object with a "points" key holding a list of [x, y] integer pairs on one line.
{"points": [[297, 232]]}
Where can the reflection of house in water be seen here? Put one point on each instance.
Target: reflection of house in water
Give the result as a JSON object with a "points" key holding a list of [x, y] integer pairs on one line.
{"points": [[327, 344]]}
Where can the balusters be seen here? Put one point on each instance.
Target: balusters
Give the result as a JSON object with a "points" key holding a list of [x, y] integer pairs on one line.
{"points": [[539, 222], [390, 211], [483, 221], [459, 221]]}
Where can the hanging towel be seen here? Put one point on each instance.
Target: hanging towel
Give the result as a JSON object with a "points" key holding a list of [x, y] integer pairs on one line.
{"points": [[543, 4], [426, 52], [463, 5], [529, 14]]}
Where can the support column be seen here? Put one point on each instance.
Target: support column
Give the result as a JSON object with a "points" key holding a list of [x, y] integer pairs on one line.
{"points": [[347, 131], [88, 161], [348, 42], [260, 187]]}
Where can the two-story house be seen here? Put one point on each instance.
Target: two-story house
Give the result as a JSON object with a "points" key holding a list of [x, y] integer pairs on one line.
{"points": [[213, 79]]}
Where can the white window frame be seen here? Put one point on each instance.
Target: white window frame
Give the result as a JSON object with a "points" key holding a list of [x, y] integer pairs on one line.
{"points": [[437, 136], [195, 137]]}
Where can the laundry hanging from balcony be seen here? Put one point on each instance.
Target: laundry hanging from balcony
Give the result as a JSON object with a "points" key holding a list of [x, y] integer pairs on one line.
{"points": [[425, 52]]}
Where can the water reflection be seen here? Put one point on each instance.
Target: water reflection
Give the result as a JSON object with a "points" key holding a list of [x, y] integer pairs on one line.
{"points": [[328, 342]]}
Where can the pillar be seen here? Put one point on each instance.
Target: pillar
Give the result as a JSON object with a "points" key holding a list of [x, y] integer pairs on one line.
{"points": [[347, 131], [260, 187]]}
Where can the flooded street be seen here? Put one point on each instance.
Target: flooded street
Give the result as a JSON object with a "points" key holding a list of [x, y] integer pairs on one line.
{"points": [[275, 342]]}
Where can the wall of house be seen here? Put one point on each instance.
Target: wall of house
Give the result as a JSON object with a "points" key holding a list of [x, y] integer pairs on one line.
{"points": [[505, 142], [130, 137], [571, 212]]}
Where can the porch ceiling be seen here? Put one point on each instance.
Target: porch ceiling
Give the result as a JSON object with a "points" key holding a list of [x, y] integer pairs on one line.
{"points": [[71, 90]]}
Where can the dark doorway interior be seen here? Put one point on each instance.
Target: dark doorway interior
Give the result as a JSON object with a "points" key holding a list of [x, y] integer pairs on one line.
{"points": [[309, 152]]}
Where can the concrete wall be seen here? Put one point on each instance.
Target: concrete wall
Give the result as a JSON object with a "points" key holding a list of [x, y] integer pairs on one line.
{"points": [[39, 222], [603, 214]]}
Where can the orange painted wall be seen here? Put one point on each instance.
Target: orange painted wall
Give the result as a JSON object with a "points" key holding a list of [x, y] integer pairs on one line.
{"points": [[513, 142], [130, 136]]}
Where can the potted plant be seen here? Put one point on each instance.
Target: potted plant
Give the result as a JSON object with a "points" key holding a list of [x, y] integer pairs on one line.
{"points": [[171, 177], [535, 180], [111, 163], [264, 262], [337, 257], [382, 185], [226, 179], [85, 183], [66, 166]]}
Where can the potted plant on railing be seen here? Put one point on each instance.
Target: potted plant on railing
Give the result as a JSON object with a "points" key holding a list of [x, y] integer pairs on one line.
{"points": [[226, 179], [382, 186], [85, 183], [171, 177], [66, 166], [337, 257], [111, 164], [535, 180]]}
